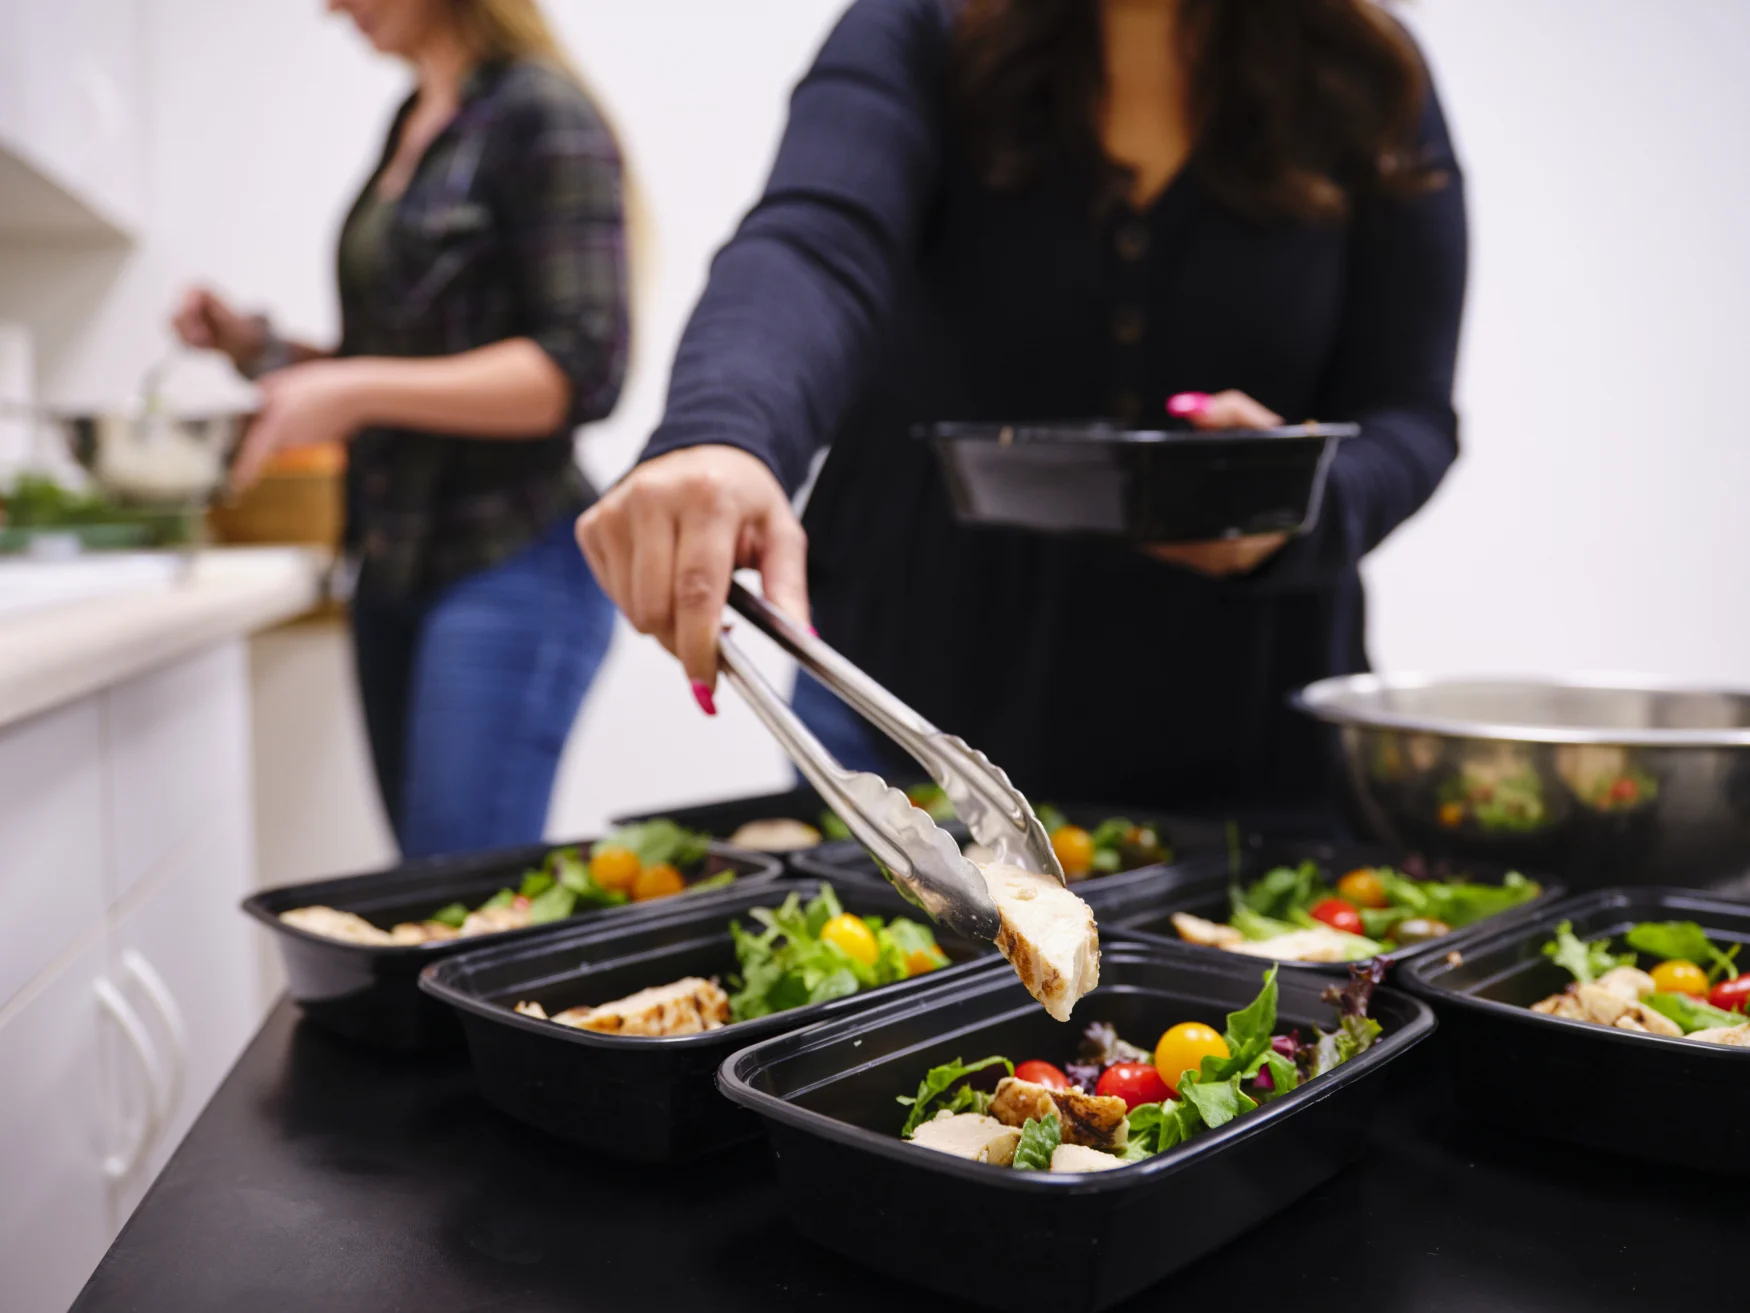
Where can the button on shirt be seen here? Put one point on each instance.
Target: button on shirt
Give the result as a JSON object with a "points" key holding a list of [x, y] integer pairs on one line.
{"points": [[879, 283]]}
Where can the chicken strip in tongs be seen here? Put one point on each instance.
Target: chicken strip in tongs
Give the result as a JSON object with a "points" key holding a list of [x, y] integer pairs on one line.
{"points": [[1019, 901]]}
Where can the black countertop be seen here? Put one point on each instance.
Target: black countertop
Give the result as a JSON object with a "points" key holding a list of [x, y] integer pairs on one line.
{"points": [[327, 1177]]}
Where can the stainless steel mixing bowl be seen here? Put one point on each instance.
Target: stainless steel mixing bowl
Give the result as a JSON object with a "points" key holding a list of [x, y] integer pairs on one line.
{"points": [[1600, 780]]}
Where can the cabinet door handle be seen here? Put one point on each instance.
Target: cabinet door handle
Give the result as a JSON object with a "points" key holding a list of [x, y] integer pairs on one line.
{"points": [[152, 985], [118, 1166]]}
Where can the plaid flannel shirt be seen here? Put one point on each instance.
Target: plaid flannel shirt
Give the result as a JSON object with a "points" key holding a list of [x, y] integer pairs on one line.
{"points": [[512, 227]]}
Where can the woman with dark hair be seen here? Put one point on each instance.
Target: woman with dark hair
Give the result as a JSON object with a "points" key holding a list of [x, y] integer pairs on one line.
{"points": [[1230, 209]]}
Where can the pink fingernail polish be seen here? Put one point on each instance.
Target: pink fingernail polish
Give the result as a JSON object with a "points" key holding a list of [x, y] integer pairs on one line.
{"points": [[814, 631], [1186, 404], [702, 695]]}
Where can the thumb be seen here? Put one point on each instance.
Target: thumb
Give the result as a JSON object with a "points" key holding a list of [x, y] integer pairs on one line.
{"points": [[784, 566], [1231, 409]]}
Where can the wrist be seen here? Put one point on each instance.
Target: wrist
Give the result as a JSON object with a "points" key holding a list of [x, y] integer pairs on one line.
{"points": [[363, 390]]}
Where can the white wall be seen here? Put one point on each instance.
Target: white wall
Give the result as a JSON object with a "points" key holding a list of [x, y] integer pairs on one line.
{"points": [[1607, 144]]}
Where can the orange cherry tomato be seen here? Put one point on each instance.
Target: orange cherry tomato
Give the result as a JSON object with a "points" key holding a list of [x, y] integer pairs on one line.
{"points": [[1452, 814], [1363, 887], [1680, 976], [614, 867], [658, 881], [1074, 847], [1183, 1049]]}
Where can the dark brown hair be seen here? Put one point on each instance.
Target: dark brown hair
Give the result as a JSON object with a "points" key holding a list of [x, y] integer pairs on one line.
{"points": [[1297, 106]]}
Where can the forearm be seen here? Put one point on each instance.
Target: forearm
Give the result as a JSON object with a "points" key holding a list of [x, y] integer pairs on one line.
{"points": [[510, 390]]}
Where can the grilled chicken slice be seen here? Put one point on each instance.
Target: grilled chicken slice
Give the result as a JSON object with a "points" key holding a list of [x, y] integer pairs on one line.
{"points": [[1079, 1158], [686, 1007], [1564, 1004], [1048, 935], [1211, 934], [1737, 1037], [1315, 944], [1093, 1120], [1607, 1009], [423, 932], [779, 835], [332, 924], [492, 920], [1627, 982], [969, 1135]]}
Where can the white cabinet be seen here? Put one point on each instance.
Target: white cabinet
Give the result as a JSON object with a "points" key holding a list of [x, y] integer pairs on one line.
{"points": [[57, 1130], [177, 756], [129, 980], [51, 872], [72, 110], [189, 967]]}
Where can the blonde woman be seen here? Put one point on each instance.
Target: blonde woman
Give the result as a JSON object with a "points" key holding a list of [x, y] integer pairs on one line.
{"points": [[484, 316]]}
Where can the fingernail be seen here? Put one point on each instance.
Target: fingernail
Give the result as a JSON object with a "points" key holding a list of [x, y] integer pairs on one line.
{"points": [[702, 695], [1185, 404], [814, 631]]}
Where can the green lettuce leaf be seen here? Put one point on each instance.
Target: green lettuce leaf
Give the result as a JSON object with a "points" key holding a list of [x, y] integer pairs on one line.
{"points": [[1217, 1102], [572, 872], [1458, 903], [936, 1081], [535, 883], [660, 840], [1156, 1127], [1285, 889], [1052, 819], [1255, 925], [1040, 1136], [452, 915], [554, 904], [832, 826], [503, 898], [1685, 939], [1584, 961], [1692, 1014], [1353, 1036]]}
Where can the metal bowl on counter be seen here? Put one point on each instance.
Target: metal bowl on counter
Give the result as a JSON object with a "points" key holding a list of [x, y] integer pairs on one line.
{"points": [[1602, 780]]}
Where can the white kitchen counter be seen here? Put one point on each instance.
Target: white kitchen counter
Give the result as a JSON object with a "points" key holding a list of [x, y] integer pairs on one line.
{"points": [[54, 654]]}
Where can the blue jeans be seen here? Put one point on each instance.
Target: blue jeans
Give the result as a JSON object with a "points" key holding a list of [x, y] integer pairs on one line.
{"points": [[469, 695]]}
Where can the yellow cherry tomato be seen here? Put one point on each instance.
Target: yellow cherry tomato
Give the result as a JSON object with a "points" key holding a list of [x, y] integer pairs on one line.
{"points": [[920, 960], [1183, 1049], [1680, 976], [613, 867], [852, 937], [1363, 887], [1074, 847], [658, 881], [1452, 814]]}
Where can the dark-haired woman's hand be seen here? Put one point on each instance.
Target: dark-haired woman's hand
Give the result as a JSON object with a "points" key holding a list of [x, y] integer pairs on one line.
{"points": [[1222, 557], [666, 539]]}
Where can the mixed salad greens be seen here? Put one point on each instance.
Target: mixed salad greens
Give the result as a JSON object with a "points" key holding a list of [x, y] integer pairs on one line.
{"points": [[1292, 913], [1493, 799], [1115, 844], [805, 953], [809, 953], [634, 864], [1119, 1103], [1678, 996]]}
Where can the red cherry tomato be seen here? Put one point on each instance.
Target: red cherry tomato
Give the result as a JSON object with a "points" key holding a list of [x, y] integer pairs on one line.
{"points": [[1136, 1083], [1624, 790], [1732, 995], [1339, 915], [1042, 1073]]}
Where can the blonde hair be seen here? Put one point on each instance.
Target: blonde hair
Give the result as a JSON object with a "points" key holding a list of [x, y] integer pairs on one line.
{"points": [[517, 29]]}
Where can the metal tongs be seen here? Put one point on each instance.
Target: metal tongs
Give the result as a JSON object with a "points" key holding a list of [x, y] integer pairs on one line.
{"points": [[922, 860]]}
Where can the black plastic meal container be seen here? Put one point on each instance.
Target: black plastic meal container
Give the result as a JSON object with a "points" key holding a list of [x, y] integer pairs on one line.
{"points": [[1202, 890], [646, 1098], [1149, 486], [1007, 1239], [1190, 839], [1647, 1096], [371, 993]]}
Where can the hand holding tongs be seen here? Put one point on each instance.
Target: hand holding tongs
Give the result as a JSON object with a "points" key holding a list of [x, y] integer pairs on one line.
{"points": [[922, 860]]}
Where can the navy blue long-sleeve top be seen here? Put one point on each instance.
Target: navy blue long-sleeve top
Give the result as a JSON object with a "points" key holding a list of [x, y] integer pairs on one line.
{"points": [[879, 282]]}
